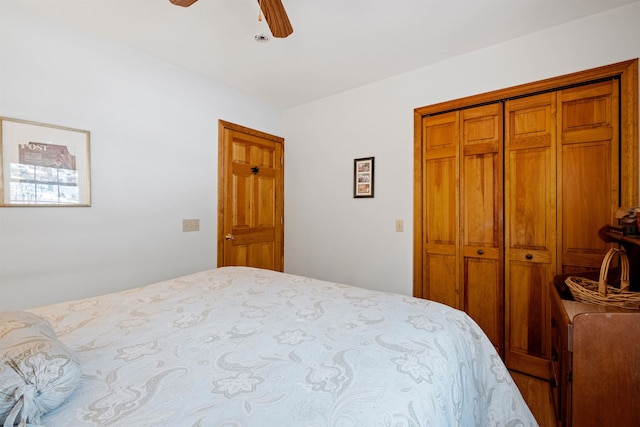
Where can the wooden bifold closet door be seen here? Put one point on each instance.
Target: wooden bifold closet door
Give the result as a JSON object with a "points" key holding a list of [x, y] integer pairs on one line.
{"points": [[463, 214], [530, 224], [481, 246], [561, 187], [511, 190]]}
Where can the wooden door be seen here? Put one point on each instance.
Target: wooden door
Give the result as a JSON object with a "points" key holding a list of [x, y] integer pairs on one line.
{"points": [[440, 165], [463, 214], [530, 230], [250, 198], [481, 219], [588, 171]]}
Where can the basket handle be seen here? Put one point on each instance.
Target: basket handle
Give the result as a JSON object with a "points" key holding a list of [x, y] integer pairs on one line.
{"points": [[604, 270]]}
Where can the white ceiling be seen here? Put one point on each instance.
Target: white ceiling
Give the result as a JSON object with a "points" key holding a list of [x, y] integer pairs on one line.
{"points": [[336, 44]]}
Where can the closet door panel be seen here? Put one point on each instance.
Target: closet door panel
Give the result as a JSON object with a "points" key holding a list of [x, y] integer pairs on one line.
{"points": [[440, 281], [483, 294], [529, 197], [587, 164], [528, 322], [440, 201], [530, 239], [481, 219], [585, 204]]}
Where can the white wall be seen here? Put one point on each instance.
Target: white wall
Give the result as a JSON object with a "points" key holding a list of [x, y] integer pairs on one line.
{"points": [[154, 141], [154, 156], [329, 234]]}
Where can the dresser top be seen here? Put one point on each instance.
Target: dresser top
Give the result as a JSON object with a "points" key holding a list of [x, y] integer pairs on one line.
{"points": [[573, 308]]}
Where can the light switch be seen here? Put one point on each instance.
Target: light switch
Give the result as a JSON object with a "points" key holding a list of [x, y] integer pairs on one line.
{"points": [[399, 226]]}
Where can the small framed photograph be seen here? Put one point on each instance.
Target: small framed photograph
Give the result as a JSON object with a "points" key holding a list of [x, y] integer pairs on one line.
{"points": [[363, 170], [43, 165]]}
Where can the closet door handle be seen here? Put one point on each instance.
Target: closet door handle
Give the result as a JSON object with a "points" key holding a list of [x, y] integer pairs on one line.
{"points": [[229, 237], [528, 256], [480, 252]]}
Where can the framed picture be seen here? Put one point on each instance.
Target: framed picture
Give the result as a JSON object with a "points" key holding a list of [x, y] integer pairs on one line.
{"points": [[43, 165], [363, 177]]}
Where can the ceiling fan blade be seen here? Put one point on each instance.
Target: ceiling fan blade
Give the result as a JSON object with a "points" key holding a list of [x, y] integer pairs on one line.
{"points": [[183, 3], [276, 17]]}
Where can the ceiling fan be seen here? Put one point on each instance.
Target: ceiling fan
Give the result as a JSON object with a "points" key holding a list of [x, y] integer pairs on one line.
{"points": [[273, 11]]}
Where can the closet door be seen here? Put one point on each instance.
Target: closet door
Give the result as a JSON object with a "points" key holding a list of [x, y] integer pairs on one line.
{"points": [[481, 219], [463, 246], [530, 229], [570, 160], [440, 208], [588, 171]]}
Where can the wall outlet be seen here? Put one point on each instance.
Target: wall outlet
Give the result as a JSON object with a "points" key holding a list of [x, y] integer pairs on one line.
{"points": [[190, 225], [399, 226]]}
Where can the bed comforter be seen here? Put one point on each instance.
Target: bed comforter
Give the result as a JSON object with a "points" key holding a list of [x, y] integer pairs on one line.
{"points": [[239, 346]]}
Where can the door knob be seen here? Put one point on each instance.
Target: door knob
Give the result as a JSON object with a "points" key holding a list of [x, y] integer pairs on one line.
{"points": [[229, 237]]}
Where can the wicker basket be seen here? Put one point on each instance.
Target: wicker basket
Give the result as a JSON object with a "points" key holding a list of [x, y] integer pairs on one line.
{"points": [[600, 292]]}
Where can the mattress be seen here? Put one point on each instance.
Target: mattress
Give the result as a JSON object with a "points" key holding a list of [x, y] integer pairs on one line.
{"points": [[239, 346]]}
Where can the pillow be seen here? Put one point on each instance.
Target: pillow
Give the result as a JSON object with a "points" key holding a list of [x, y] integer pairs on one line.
{"points": [[37, 372]]}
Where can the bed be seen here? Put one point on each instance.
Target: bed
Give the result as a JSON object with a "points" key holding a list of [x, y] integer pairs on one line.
{"points": [[239, 346]]}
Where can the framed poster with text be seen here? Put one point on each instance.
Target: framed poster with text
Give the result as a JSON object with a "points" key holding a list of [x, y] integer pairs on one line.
{"points": [[43, 165]]}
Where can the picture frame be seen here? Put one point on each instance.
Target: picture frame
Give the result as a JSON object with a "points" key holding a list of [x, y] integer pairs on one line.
{"points": [[43, 165], [363, 177]]}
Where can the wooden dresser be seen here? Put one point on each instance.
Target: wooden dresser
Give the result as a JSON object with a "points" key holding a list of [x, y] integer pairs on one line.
{"points": [[595, 360]]}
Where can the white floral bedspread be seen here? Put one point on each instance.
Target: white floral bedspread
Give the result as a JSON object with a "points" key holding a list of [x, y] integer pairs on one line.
{"points": [[240, 346]]}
